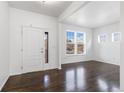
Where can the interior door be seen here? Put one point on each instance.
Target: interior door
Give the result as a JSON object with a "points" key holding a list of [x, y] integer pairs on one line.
{"points": [[33, 49]]}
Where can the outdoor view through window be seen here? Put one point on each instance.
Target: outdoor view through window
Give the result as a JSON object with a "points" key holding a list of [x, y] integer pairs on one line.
{"points": [[75, 42]]}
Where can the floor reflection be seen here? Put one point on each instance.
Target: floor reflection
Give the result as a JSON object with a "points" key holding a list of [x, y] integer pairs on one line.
{"points": [[75, 79], [105, 86], [115, 88], [81, 78], [70, 80], [102, 85], [46, 81]]}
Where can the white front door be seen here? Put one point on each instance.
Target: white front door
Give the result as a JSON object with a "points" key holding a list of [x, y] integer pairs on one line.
{"points": [[33, 49]]}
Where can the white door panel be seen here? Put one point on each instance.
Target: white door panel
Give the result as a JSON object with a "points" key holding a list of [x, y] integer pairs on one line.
{"points": [[33, 57]]}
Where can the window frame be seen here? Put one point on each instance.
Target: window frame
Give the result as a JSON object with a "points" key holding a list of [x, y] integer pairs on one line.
{"points": [[75, 43], [99, 38], [113, 40]]}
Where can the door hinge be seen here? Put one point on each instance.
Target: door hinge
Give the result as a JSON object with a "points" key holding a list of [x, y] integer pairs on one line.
{"points": [[21, 50], [22, 33], [21, 67]]}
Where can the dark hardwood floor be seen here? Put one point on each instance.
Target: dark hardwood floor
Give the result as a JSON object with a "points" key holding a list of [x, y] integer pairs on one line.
{"points": [[83, 76]]}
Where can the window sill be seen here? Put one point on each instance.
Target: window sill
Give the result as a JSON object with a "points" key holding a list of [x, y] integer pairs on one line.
{"points": [[68, 55]]}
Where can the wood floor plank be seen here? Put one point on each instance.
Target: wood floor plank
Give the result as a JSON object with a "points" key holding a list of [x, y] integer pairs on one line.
{"points": [[90, 76]]}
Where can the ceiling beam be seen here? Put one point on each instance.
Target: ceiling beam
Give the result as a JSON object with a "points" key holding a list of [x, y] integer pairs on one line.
{"points": [[74, 7]]}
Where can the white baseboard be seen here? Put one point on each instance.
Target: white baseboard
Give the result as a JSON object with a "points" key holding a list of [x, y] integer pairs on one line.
{"points": [[106, 62], [47, 68], [59, 68], [5, 80], [76, 61]]}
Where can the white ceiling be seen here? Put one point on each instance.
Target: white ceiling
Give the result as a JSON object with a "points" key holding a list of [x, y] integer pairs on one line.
{"points": [[93, 14], [51, 8], [96, 14]]}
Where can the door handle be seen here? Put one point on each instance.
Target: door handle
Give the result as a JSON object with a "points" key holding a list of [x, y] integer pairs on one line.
{"points": [[41, 51]]}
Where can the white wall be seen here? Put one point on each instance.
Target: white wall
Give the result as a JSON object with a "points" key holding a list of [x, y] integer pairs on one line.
{"points": [[108, 52], [122, 47], [21, 17], [74, 58], [4, 43]]}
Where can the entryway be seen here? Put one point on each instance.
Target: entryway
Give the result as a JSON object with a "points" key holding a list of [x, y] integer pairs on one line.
{"points": [[33, 49]]}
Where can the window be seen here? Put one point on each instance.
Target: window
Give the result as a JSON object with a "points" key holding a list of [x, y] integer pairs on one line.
{"points": [[80, 42], [75, 42], [46, 46], [70, 43], [102, 38], [116, 36]]}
